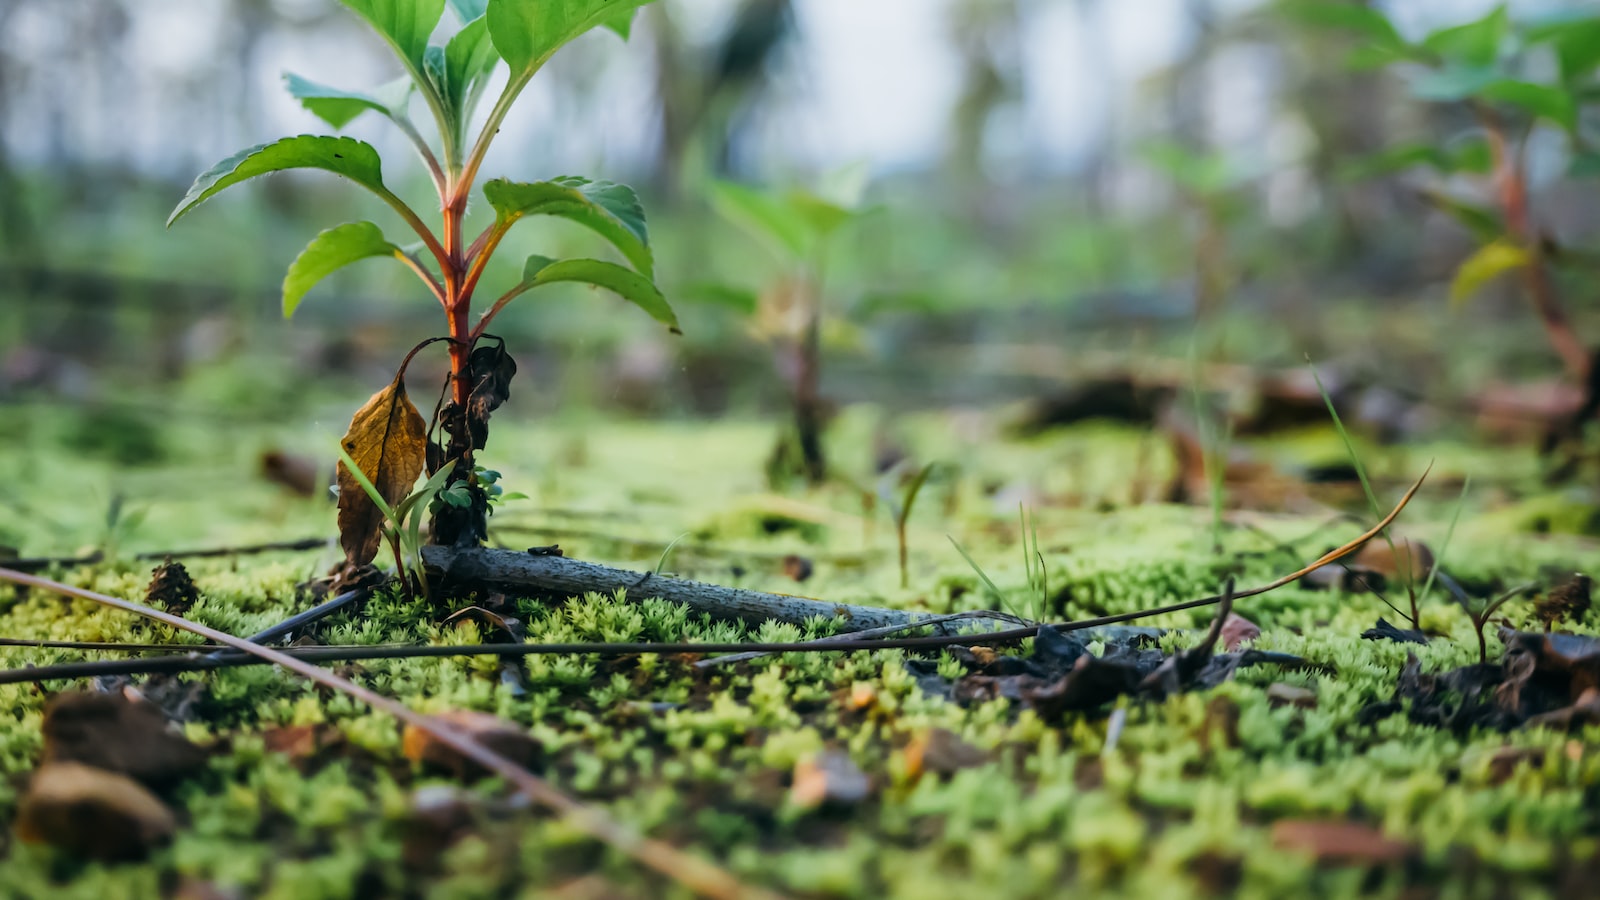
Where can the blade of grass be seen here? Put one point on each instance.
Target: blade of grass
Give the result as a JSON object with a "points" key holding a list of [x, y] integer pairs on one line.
{"points": [[1449, 533]]}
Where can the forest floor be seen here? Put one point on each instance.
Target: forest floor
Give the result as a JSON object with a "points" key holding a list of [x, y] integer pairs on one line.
{"points": [[885, 773]]}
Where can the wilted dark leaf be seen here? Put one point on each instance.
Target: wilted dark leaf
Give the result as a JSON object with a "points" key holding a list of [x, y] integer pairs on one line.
{"points": [[1236, 629], [1384, 631], [491, 370], [387, 439]]}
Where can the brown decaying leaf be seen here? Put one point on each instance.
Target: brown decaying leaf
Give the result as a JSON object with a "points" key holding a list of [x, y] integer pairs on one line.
{"points": [[110, 732], [388, 440], [505, 738], [92, 813], [1338, 842], [171, 588], [1236, 629], [829, 778]]}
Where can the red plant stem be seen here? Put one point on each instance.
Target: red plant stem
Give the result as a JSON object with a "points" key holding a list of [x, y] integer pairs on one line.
{"points": [[1512, 187]]}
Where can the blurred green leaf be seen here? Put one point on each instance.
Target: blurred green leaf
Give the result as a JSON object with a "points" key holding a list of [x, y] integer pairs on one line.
{"points": [[353, 159], [1489, 261], [1584, 165], [1454, 83], [609, 209], [1351, 16], [529, 33], [765, 216], [1576, 41], [624, 282], [405, 24], [739, 299], [1475, 43], [328, 252], [1483, 222], [338, 107], [1541, 100], [1397, 159]]}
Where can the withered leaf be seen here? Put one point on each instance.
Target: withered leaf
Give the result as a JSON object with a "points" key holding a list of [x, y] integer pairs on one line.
{"points": [[1338, 842], [92, 813], [491, 369], [388, 440]]}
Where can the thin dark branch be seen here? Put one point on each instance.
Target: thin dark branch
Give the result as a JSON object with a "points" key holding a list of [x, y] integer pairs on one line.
{"points": [[34, 564]]}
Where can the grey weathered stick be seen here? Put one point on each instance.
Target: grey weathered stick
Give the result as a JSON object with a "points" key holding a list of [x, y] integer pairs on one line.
{"points": [[557, 576]]}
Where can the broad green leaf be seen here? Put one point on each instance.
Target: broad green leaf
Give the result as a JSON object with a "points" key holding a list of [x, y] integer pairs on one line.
{"points": [[621, 22], [467, 10], [625, 283], [405, 24], [1490, 260], [1484, 223], [1349, 16], [1454, 83], [1397, 159], [1476, 43], [1575, 37], [1541, 100], [529, 33], [739, 299], [767, 217], [468, 59], [329, 251], [822, 217], [338, 107], [353, 159], [611, 210]]}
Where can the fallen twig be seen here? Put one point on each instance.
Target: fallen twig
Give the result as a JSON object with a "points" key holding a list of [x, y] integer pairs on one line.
{"points": [[695, 874], [34, 564]]}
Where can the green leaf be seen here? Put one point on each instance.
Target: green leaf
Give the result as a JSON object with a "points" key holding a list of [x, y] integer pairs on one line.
{"points": [[328, 252], [1490, 260], [338, 107], [764, 215], [529, 33], [1454, 83], [353, 159], [405, 24], [625, 283], [821, 216], [467, 10], [612, 210], [621, 22], [1363, 20], [1476, 43], [468, 59], [1397, 159], [1584, 165], [1483, 222], [1576, 43], [738, 299], [1541, 100]]}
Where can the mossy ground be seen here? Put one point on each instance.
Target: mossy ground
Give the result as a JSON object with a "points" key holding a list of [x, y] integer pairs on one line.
{"points": [[704, 760]]}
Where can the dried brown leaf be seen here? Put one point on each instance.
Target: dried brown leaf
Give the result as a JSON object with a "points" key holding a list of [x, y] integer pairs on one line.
{"points": [[388, 440], [1338, 842], [92, 813]]}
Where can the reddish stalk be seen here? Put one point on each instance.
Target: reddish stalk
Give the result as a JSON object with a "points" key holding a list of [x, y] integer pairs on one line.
{"points": [[1511, 187]]}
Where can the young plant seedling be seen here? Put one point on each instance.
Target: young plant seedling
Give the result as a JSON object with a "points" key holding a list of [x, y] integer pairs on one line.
{"points": [[401, 526], [388, 438], [796, 226], [1497, 70], [901, 508]]}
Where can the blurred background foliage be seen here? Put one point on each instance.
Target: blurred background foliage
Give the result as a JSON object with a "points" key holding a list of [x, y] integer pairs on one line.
{"points": [[1053, 187]]}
